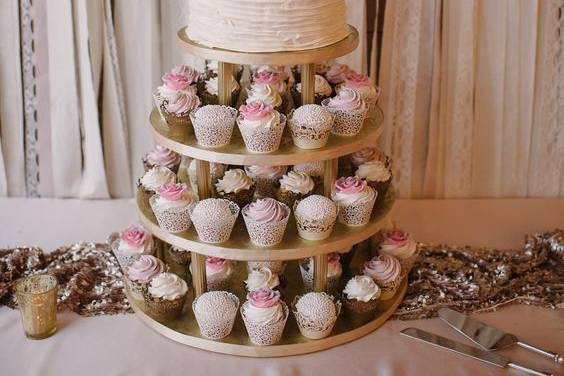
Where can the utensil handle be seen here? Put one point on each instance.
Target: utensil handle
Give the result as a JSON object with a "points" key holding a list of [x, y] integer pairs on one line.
{"points": [[554, 356], [528, 370]]}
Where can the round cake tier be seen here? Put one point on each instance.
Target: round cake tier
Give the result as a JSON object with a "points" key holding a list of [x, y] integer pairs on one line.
{"points": [[184, 143], [185, 329], [308, 56], [292, 247]]}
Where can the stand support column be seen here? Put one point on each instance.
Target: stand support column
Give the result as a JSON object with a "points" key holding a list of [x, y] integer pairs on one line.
{"points": [[308, 83], [225, 77]]}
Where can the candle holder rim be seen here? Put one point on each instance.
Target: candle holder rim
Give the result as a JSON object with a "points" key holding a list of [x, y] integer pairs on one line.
{"points": [[52, 284]]}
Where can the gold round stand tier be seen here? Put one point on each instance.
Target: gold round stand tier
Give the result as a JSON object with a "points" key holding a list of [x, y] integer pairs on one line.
{"points": [[292, 247], [313, 55], [185, 143]]}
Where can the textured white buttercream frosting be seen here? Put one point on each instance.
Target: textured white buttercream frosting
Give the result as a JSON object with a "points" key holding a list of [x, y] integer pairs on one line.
{"points": [[267, 25]]}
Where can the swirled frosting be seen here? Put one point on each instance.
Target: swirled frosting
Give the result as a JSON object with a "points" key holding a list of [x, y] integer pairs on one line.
{"points": [[367, 154], [266, 210], [234, 181], [269, 78], [264, 307], [135, 240], [321, 87], [362, 84], [167, 286], [156, 177], [383, 269], [215, 266], [162, 156], [257, 114], [373, 171], [173, 195], [346, 100], [145, 268], [167, 93], [212, 85], [182, 103], [261, 278], [397, 243], [336, 73], [361, 288], [265, 93], [297, 182], [351, 190], [190, 73], [265, 171]]}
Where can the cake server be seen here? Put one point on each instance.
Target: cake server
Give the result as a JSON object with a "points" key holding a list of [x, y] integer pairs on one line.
{"points": [[470, 351], [488, 337]]}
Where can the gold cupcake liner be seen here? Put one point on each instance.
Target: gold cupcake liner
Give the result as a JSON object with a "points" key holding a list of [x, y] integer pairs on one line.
{"points": [[162, 309], [359, 312], [241, 198]]}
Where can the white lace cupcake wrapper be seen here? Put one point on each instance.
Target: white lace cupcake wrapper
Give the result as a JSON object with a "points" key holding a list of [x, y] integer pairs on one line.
{"points": [[347, 123], [220, 326], [356, 214], [314, 230], [309, 136], [315, 329], [211, 132], [262, 140], [266, 234], [216, 230], [265, 334], [174, 219]]}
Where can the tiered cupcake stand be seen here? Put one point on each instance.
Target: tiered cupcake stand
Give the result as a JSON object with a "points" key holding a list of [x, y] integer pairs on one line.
{"points": [[185, 329]]}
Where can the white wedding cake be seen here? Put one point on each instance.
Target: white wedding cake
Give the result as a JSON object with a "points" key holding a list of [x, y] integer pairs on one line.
{"points": [[267, 25]]}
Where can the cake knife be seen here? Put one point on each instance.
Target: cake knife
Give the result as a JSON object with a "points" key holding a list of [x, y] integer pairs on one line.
{"points": [[473, 352], [488, 337]]}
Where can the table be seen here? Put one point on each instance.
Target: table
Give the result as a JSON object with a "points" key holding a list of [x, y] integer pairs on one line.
{"points": [[122, 345]]}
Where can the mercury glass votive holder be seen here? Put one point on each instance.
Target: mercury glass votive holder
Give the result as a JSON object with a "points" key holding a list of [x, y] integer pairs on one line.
{"points": [[37, 300]]}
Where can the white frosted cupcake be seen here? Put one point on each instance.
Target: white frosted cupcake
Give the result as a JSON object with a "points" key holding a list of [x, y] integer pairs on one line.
{"points": [[315, 217], [355, 200], [266, 94], [261, 126], [266, 178], [334, 273], [172, 205], [310, 126], [269, 77], [266, 221], [349, 110], [156, 177], [377, 175], [214, 219], [264, 315], [213, 125], [399, 244], [315, 170], [360, 299], [294, 186], [316, 314], [322, 90], [215, 313], [217, 170], [218, 273], [130, 244], [140, 272], [165, 296], [385, 270], [210, 91], [236, 186], [262, 278]]}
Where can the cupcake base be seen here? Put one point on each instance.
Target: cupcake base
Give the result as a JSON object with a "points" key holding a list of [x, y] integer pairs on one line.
{"points": [[359, 312], [288, 197], [180, 257], [314, 235], [241, 198], [163, 309], [382, 188]]}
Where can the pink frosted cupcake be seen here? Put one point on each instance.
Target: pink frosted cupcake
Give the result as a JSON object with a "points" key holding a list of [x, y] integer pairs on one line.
{"points": [[269, 78], [377, 175], [355, 200], [349, 110], [261, 126], [336, 74], [264, 315], [140, 272], [360, 82], [385, 270], [266, 221], [131, 244], [172, 205], [334, 273], [163, 157], [218, 273], [177, 96], [294, 186], [367, 154], [266, 179], [399, 244], [322, 90], [236, 186]]}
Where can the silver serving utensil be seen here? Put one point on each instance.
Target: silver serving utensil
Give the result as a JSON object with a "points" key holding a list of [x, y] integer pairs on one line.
{"points": [[470, 351], [488, 337]]}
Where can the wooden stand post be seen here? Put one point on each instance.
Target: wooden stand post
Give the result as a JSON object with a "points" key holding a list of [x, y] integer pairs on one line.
{"points": [[225, 77], [308, 83]]}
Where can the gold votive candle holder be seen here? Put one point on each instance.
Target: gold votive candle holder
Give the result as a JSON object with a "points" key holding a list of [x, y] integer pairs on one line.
{"points": [[37, 300]]}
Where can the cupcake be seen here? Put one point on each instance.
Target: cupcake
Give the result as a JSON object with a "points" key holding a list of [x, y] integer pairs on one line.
{"points": [[262, 278], [320, 68], [210, 93], [266, 179], [277, 267], [212, 70], [261, 126], [213, 125], [172, 205], [266, 94], [315, 217], [218, 273], [264, 315], [269, 78], [266, 221], [310, 126], [355, 200], [335, 75], [334, 273], [322, 90], [178, 95], [165, 296], [399, 244], [315, 170], [214, 219], [179, 255], [215, 313], [360, 299], [140, 272], [163, 157], [367, 154], [131, 244], [385, 270], [377, 175], [217, 170], [360, 82], [156, 177], [316, 314], [294, 186], [236, 186], [349, 110]]}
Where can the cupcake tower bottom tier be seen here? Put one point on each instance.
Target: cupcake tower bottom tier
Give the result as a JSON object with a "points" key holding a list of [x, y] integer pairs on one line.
{"points": [[185, 328]]}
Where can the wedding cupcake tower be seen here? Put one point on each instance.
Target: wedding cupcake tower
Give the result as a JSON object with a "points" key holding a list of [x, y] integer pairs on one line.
{"points": [[239, 247]]}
